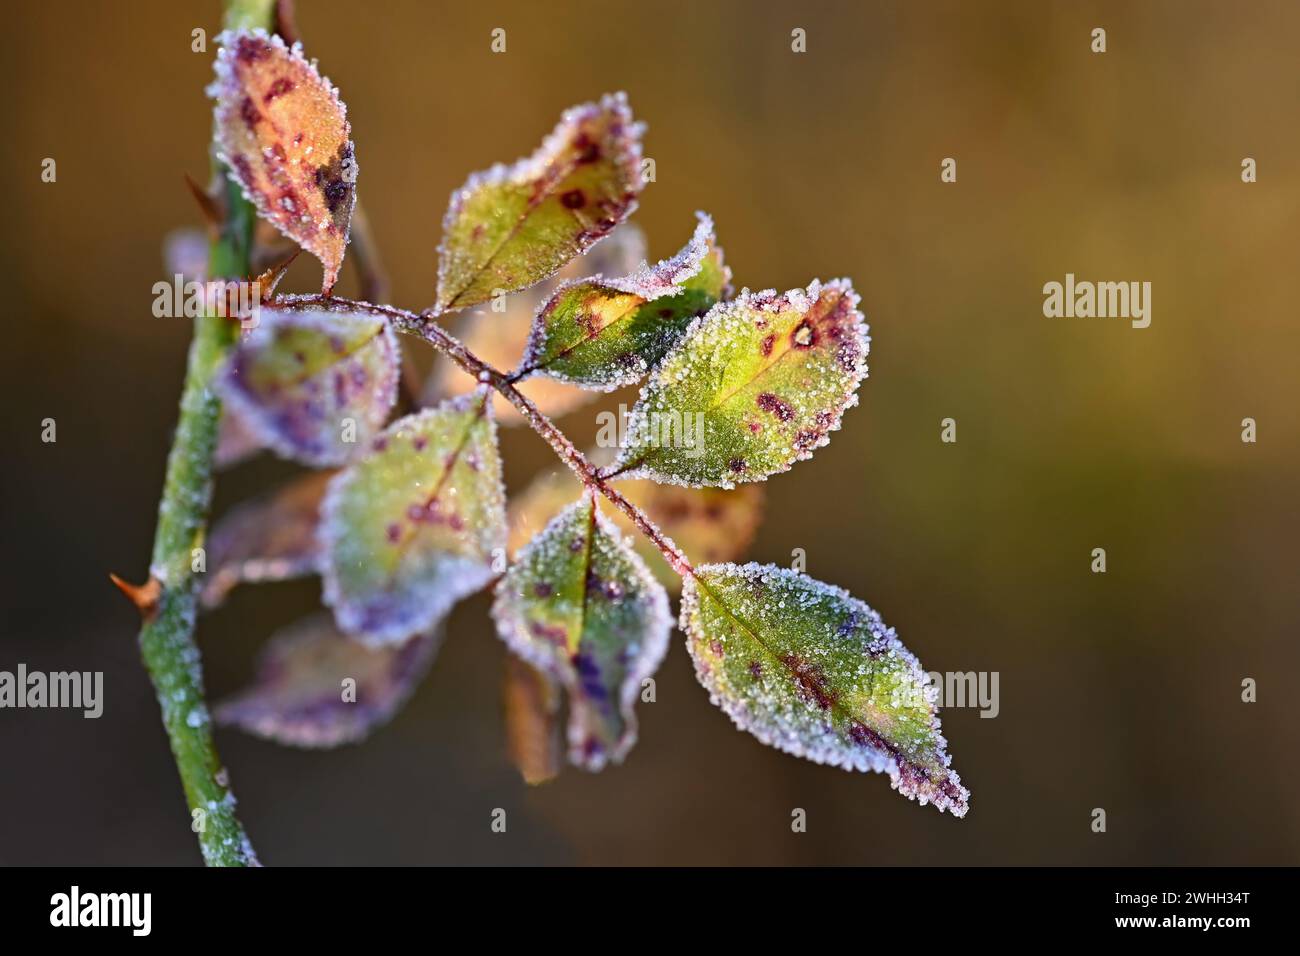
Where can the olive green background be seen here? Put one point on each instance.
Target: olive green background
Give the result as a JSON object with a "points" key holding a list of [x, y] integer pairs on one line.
{"points": [[1119, 691]]}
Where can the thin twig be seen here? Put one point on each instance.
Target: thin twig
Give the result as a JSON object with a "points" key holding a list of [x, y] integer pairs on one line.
{"points": [[426, 328]]}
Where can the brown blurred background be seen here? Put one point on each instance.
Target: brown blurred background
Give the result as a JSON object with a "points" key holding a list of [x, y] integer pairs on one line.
{"points": [[1119, 691]]}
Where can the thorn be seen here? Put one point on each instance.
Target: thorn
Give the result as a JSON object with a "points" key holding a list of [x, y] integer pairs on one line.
{"points": [[207, 205], [144, 596], [269, 279], [285, 22]]}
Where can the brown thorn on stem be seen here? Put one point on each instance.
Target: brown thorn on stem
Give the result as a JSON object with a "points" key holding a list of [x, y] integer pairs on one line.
{"points": [[209, 207], [143, 596], [268, 280], [284, 22]]}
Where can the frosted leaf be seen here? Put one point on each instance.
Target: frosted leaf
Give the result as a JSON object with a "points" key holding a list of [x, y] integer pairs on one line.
{"points": [[532, 718], [604, 333], [500, 338], [581, 605], [512, 226], [808, 669], [765, 377], [284, 135], [299, 696], [410, 529], [708, 524], [313, 384], [271, 538]]}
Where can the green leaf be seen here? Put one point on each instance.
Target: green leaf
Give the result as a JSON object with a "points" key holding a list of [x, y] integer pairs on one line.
{"points": [[582, 606], [284, 135], [755, 385], [709, 524], [512, 226], [270, 538], [498, 334], [416, 525], [313, 384], [300, 696], [605, 333], [810, 670]]}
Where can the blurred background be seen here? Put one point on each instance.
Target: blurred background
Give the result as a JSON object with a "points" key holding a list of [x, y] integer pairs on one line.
{"points": [[1119, 690]]}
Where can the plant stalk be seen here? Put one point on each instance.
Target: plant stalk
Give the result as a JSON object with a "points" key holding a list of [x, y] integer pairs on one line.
{"points": [[169, 602]]}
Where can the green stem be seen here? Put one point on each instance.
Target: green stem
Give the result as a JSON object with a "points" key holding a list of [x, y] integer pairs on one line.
{"points": [[167, 637]]}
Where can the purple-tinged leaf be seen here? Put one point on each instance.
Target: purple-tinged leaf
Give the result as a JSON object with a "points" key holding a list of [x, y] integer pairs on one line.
{"points": [[284, 135], [810, 670], [271, 538], [314, 385], [513, 226], [417, 524], [317, 687], [580, 604]]}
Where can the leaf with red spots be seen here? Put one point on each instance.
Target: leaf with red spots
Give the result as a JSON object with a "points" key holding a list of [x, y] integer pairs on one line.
{"points": [[499, 334], [532, 716], [810, 670], [605, 333], [417, 524], [581, 605], [271, 538], [284, 135], [313, 384], [708, 524], [317, 687], [512, 226], [755, 385]]}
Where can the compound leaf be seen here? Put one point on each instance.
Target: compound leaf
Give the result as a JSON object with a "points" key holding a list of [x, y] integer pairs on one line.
{"points": [[605, 333], [271, 538], [755, 385], [284, 135], [512, 226], [417, 524], [313, 384], [301, 695], [582, 606], [810, 670]]}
